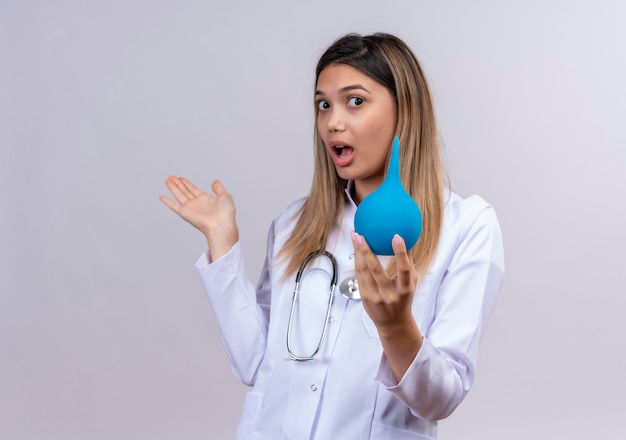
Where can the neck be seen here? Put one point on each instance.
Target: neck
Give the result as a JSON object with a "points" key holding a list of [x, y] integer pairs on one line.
{"points": [[360, 190]]}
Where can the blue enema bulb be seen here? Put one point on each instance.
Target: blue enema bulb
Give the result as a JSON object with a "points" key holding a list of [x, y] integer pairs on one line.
{"points": [[388, 211]]}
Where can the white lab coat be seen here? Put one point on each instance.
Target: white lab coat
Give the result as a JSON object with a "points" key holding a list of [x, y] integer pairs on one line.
{"points": [[350, 392]]}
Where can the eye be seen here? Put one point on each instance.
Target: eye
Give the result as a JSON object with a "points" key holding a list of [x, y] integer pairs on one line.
{"points": [[355, 101], [323, 105]]}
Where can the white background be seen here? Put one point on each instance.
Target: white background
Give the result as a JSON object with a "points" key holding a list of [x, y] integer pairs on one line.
{"points": [[105, 332]]}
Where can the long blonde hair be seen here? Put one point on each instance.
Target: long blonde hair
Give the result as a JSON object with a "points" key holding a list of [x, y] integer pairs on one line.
{"points": [[389, 61]]}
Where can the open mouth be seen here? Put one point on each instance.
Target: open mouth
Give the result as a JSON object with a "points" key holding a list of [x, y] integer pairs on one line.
{"points": [[343, 150]]}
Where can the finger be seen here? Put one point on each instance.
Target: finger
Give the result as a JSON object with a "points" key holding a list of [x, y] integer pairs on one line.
{"points": [[170, 203], [403, 262], [364, 277], [370, 273], [360, 248], [179, 183], [368, 288], [190, 187], [174, 184], [373, 265]]}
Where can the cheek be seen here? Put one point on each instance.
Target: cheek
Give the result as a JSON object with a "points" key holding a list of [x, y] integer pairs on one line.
{"points": [[378, 128], [368, 125]]}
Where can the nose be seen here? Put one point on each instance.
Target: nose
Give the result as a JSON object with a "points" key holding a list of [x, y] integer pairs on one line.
{"points": [[336, 121]]}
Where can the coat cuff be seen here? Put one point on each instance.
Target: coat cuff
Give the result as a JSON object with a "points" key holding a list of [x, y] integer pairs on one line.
{"points": [[430, 388]]}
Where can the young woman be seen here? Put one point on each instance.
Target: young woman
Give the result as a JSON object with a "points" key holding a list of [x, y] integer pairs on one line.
{"points": [[328, 366]]}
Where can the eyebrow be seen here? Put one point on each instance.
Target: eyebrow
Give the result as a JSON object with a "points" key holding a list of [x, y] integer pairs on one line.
{"points": [[345, 89]]}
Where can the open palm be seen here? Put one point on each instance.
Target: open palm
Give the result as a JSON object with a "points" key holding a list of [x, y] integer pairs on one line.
{"points": [[213, 215]]}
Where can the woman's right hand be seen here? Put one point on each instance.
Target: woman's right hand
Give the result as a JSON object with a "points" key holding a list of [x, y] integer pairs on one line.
{"points": [[213, 215]]}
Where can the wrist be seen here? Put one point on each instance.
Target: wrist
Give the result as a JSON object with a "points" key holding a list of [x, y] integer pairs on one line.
{"points": [[401, 328], [221, 241]]}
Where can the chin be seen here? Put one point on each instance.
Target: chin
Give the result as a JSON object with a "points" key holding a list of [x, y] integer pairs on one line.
{"points": [[345, 175]]}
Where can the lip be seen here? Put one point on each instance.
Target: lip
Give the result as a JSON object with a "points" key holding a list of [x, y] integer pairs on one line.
{"points": [[340, 161]]}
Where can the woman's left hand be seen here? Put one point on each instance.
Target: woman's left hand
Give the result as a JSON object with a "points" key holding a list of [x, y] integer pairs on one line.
{"points": [[386, 300]]}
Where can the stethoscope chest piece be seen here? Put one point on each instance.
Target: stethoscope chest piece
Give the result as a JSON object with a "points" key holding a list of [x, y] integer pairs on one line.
{"points": [[349, 288]]}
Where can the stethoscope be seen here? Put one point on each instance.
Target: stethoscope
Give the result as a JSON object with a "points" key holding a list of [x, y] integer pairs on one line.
{"points": [[349, 288]]}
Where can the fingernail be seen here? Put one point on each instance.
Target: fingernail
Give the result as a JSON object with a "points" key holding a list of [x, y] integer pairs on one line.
{"points": [[397, 240], [356, 238]]}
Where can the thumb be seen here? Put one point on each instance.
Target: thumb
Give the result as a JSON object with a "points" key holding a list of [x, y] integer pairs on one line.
{"points": [[218, 188]]}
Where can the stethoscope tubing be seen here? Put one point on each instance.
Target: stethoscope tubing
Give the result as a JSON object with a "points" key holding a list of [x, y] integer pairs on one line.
{"points": [[296, 290]]}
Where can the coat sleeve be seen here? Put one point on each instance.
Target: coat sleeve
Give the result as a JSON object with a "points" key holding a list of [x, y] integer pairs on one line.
{"points": [[242, 311], [443, 370]]}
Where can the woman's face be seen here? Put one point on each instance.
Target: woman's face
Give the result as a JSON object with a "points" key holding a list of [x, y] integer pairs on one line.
{"points": [[356, 119]]}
